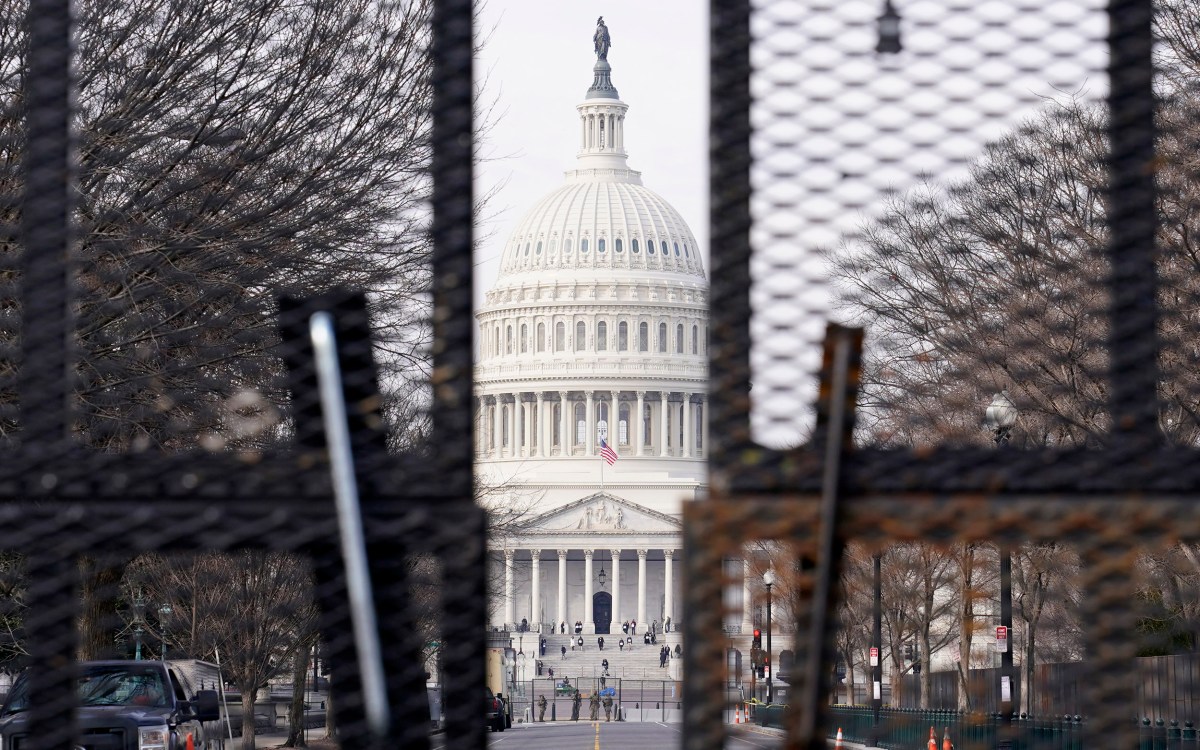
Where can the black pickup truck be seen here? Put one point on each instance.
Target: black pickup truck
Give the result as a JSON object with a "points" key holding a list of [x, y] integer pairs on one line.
{"points": [[125, 705]]}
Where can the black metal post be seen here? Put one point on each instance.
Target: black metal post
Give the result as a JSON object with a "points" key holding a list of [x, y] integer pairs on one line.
{"points": [[877, 644], [770, 664], [1006, 656]]}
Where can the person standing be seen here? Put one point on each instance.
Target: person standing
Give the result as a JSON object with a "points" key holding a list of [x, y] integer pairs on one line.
{"points": [[575, 701], [552, 674], [605, 665], [580, 643], [600, 642], [542, 708], [608, 707], [633, 626], [594, 704], [667, 626], [625, 627], [564, 651], [621, 644], [543, 647]]}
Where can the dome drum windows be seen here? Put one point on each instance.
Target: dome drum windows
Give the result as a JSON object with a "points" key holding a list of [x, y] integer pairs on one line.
{"points": [[583, 246], [560, 337], [643, 337], [580, 336], [623, 337], [633, 246], [662, 338], [679, 339], [541, 337], [617, 245], [600, 245], [601, 336]]}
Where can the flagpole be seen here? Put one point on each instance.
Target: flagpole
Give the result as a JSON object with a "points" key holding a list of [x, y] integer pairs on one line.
{"points": [[602, 462]]}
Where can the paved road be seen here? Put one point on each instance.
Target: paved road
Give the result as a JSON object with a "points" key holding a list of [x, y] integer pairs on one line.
{"points": [[609, 736]]}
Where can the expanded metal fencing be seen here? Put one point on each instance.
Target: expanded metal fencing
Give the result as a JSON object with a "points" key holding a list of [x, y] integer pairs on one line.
{"points": [[1001, 198]]}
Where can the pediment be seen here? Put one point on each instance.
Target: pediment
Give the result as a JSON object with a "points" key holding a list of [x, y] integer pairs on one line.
{"points": [[603, 512]]}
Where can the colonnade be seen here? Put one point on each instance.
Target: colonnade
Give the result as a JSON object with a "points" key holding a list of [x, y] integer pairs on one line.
{"points": [[541, 424], [585, 614]]}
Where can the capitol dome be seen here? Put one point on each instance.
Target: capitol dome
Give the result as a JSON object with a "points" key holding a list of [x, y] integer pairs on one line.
{"points": [[595, 332]]}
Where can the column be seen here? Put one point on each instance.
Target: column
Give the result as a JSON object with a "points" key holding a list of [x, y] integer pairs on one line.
{"points": [[747, 597], [512, 426], [641, 607], [669, 586], [497, 428], [589, 421], [508, 586], [518, 424], [688, 438], [704, 425], [588, 625], [562, 586], [536, 591], [541, 424], [614, 422], [564, 434], [640, 424], [616, 592], [663, 430]]}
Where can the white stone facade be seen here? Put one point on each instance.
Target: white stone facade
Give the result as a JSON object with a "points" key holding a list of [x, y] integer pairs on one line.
{"points": [[596, 329]]}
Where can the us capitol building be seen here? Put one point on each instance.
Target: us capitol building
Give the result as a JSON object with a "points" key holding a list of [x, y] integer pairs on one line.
{"points": [[595, 329]]}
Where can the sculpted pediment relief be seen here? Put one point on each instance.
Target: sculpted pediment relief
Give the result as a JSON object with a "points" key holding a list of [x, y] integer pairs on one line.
{"points": [[603, 512]]}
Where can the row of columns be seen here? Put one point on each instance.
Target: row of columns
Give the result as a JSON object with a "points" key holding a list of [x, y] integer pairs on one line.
{"points": [[528, 429], [588, 591]]}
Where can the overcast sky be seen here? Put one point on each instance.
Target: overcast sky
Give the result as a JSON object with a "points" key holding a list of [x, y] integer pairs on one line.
{"points": [[536, 65]]}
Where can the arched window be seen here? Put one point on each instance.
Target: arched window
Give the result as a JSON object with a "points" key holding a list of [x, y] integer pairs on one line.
{"points": [[524, 338], [508, 340], [583, 246], [580, 335], [526, 249], [560, 337], [633, 246], [662, 338], [623, 337], [686, 254], [601, 336], [617, 246], [623, 425], [580, 424], [567, 246], [496, 345], [664, 247], [695, 339], [553, 245], [679, 339], [676, 250], [704, 342], [541, 337], [600, 245], [643, 337], [650, 247], [539, 248]]}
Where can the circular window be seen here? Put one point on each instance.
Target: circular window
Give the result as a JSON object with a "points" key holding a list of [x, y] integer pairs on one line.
{"points": [[617, 246], [583, 246], [600, 245], [633, 246]]}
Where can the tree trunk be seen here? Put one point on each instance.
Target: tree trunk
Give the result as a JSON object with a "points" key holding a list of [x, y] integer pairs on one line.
{"points": [[966, 627], [296, 712], [99, 621], [249, 696]]}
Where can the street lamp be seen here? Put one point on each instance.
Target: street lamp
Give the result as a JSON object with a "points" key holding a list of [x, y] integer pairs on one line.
{"points": [[999, 418], [139, 609], [163, 613], [769, 581]]}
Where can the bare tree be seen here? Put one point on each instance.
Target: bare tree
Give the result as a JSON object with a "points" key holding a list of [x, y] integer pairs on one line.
{"points": [[256, 607]]}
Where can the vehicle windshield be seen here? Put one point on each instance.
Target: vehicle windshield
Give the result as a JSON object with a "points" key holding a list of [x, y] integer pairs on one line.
{"points": [[105, 685]]}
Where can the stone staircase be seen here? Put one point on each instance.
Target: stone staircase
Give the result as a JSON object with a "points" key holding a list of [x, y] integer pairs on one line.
{"points": [[635, 662]]}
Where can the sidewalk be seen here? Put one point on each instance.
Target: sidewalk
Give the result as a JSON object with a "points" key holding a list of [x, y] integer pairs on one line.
{"points": [[774, 732]]}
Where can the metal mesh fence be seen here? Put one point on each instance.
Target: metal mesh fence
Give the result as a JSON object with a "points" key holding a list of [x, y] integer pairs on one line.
{"points": [[1005, 203], [996, 195]]}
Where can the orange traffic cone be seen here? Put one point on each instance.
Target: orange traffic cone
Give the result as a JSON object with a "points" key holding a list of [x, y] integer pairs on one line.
{"points": [[737, 716], [946, 743], [932, 740], [838, 745]]}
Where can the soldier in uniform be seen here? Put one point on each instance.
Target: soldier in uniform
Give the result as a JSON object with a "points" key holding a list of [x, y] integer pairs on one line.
{"points": [[608, 707], [575, 701], [595, 705], [541, 708]]}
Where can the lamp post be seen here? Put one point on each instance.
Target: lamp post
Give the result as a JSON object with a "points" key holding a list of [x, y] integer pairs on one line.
{"points": [[139, 609], [999, 418], [769, 581], [163, 612]]}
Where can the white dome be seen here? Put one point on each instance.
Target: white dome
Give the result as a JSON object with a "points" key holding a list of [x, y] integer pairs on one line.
{"points": [[605, 221]]}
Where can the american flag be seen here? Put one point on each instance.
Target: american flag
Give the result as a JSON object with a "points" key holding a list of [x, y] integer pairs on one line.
{"points": [[607, 453]]}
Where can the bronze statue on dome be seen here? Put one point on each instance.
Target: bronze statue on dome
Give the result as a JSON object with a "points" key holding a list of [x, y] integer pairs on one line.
{"points": [[601, 39]]}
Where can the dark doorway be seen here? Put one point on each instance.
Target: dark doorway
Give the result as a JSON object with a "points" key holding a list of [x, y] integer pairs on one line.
{"points": [[602, 611]]}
